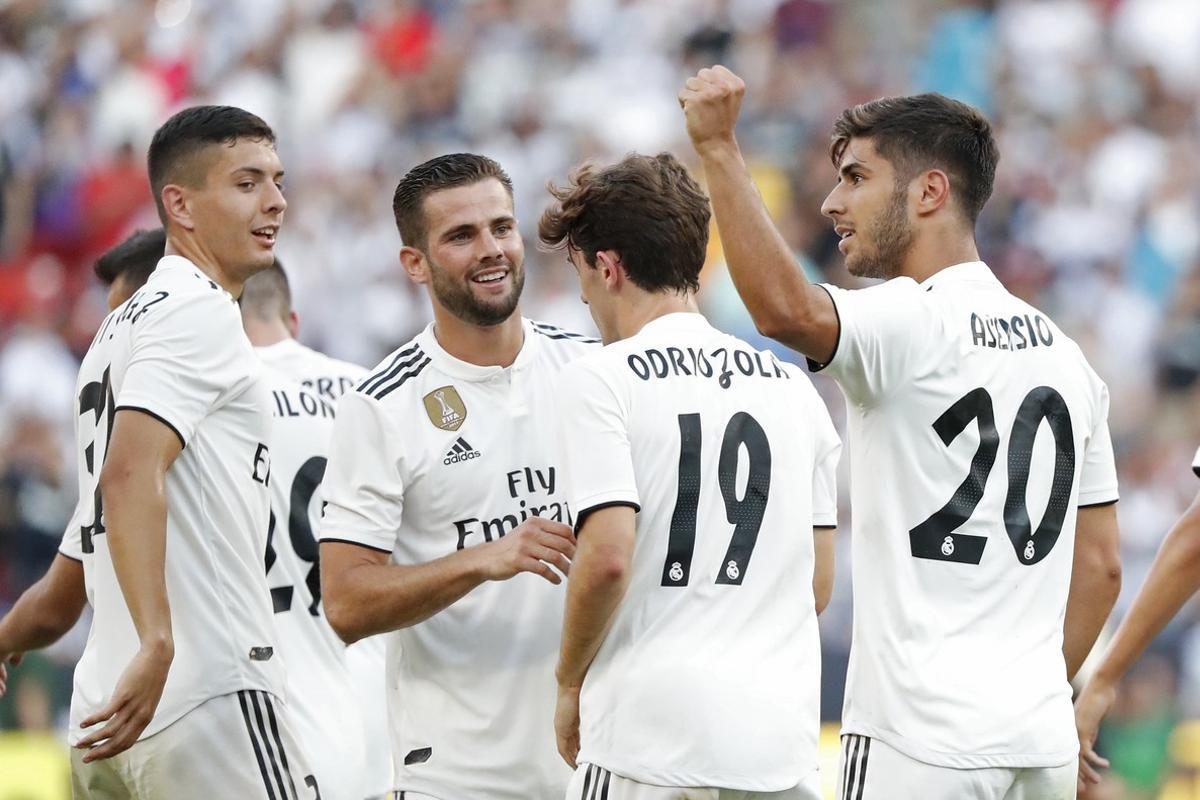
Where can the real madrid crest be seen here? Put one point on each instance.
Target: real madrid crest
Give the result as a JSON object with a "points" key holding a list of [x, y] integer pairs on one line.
{"points": [[445, 408]]}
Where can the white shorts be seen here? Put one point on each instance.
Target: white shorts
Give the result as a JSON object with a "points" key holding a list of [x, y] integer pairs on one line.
{"points": [[871, 770], [591, 782], [236, 745]]}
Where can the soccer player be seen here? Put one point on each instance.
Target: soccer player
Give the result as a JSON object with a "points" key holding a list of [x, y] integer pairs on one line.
{"points": [[47, 610], [125, 268], [179, 672], [446, 521], [1174, 577], [690, 659], [985, 556], [305, 387]]}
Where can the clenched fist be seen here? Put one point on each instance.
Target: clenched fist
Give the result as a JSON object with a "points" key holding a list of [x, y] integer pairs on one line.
{"points": [[710, 102]]}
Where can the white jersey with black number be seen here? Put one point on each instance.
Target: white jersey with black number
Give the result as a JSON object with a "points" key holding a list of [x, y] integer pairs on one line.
{"points": [[350, 761], [710, 673], [976, 430], [430, 455], [176, 351]]}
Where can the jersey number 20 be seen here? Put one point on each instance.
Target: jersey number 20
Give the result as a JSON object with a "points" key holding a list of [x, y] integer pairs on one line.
{"points": [[745, 513], [935, 538]]}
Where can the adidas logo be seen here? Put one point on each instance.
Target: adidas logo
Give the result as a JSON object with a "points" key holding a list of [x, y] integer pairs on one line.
{"points": [[461, 451]]}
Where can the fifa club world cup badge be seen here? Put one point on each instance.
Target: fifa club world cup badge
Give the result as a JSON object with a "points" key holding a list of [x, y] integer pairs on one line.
{"points": [[445, 408]]}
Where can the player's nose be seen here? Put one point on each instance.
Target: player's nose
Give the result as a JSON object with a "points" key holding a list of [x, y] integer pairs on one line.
{"points": [[833, 205]]}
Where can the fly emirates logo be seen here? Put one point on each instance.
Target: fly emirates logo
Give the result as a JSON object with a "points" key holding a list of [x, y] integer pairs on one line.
{"points": [[531, 490]]}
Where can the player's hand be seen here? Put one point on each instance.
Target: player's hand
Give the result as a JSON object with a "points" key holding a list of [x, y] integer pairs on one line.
{"points": [[131, 708], [1092, 704], [536, 545], [566, 723], [11, 658], [710, 102]]}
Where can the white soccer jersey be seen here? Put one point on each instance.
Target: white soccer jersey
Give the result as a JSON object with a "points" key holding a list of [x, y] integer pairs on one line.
{"points": [[430, 455], [976, 429], [710, 673], [176, 351], [350, 762]]}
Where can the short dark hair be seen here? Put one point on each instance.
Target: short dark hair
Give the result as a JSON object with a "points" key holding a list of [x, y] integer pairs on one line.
{"points": [[922, 131], [175, 145], [646, 208], [267, 294], [135, 258], [443, 172]]}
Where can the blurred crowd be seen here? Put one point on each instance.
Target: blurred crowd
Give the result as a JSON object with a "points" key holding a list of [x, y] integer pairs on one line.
{"points": [[1095, 217]]}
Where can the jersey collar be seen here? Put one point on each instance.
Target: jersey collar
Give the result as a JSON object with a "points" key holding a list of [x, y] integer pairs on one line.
{"points": [[677, 321], [179, 262], [474, 372], [968, 272]]}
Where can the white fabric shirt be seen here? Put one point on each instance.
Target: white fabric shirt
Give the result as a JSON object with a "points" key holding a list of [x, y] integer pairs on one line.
{"points": [[976, 430], [328, 716], [176, 351], [710, 673], [431, 454]]}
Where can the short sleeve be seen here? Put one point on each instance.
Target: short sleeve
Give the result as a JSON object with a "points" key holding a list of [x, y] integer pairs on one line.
{"points": [[186, 359], [364, 481], [828, 450], [72, 541], [1098, 478], [883, 331], [598, 457]]}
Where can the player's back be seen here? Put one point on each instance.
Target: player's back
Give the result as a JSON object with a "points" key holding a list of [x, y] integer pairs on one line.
{"points": [[351, 760], [176, 351], [709, 674], [976, 429]]}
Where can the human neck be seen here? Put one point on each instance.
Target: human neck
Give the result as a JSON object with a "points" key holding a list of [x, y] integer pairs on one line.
{"points": [[264, 333], [643, 308], [182, 243], [492, 346], [937, 250]]}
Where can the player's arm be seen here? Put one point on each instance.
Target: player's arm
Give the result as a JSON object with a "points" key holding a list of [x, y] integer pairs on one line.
{"points": [[364, 594], [783, 304], [823, 568], [1095, 582], [1174, 577], [133, 489], [43, 613], [599, 577]]}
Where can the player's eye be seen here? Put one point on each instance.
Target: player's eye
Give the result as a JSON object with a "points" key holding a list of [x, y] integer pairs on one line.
{"points": [[245, 185], [503, 230]]}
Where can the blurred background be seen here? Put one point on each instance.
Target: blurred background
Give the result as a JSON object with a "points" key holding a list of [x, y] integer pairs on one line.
{"points": [[1095, 217]]}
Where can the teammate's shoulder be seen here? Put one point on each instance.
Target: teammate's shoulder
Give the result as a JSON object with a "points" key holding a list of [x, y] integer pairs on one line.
{"points": [[397, 371], [562, 342]]}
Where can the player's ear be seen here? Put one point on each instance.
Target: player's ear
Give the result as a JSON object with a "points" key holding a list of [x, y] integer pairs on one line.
{"points": [[611, 269], [293, 324], [934, 190], [175, 203], [414, 263]]}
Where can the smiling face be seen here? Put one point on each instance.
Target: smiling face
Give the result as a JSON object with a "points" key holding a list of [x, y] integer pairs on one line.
{"points": [[238, 208], [870, 212], [474, 255]]}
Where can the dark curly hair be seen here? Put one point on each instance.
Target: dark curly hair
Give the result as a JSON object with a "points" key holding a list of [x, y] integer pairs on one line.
{"points": [[646, 208]]}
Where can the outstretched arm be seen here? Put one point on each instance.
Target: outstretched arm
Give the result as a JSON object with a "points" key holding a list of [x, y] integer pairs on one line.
{"points": [[1174, 577], [783, 304]]}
